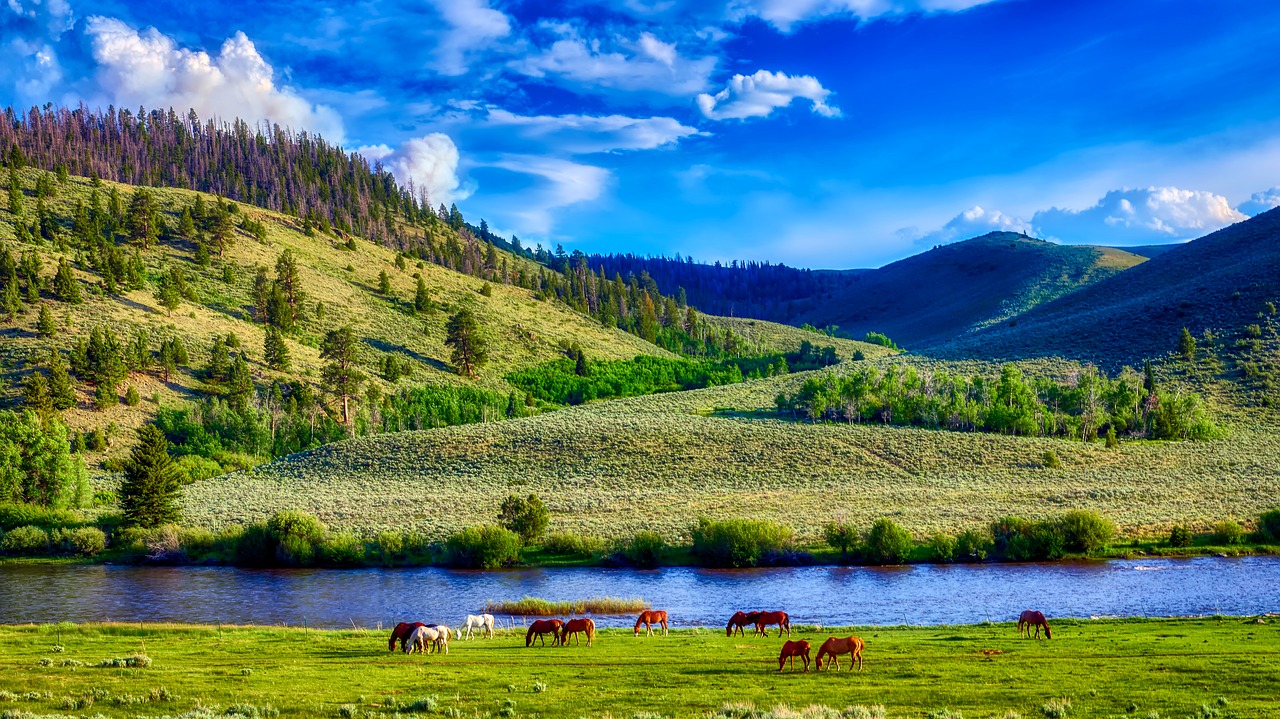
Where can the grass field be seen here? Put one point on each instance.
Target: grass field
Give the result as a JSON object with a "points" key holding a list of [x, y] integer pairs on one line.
{"points": [[1138, 668]]}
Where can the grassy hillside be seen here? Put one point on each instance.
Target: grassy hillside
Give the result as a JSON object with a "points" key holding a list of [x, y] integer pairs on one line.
{"points": [[957, 288], [764, 337], [1222, 282], [659, 462]]}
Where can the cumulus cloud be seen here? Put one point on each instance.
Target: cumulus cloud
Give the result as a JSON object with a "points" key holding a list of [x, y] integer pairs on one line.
{"points": [[646, 64], [430, 163], [1138, 216], [29, 30], [472, 26], [973, 222], [786, 14], [760, 94], [1260, 202], [562, 183], [150, 69], [584, 134]]}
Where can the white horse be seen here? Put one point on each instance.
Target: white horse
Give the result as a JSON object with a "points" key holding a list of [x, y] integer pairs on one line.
{"points": [[478, 621], [442, 643], [422, 640]]}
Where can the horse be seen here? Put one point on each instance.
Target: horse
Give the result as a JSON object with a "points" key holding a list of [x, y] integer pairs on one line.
{"points": [[791, 650], [650, 617], [764, 619], [1029, 619], [478, 621], [541, 628], [443, 641], [738, 621], [834, 647], [573, 626], [423, 639], [401, 633]]}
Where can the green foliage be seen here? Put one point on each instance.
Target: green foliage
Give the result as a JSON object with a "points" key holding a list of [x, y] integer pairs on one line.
{"points": [[527, 517], [1050, 459], [485, 547], [572, 544], [840, 535], [36, 465], [275, 351], [1086, 531], [739, 542], [151, 491], [1269, 525], [131, 396], [1228, 533], [342, 549], [942, 548], [559, 381], [972, 545], [83, 541], [297, 536], [877, 338], [65, 286], [469, 348], [25, 541], [1180, 536], [887, 543], [1186, 345], [644, 549], [341, 352]]}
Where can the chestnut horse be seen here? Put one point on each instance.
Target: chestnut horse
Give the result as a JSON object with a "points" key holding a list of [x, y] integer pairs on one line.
{"points": [[791, 650], [833, 647], [738, 621], [648, 619], [573, 627], [541, 628], [1029, 619], [401, 634], [764, 619]]}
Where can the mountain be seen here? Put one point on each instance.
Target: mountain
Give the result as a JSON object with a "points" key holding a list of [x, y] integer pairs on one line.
{"points": [[958, 288], [1222, 281]]}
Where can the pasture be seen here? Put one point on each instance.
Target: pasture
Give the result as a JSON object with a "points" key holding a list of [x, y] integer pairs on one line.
{"points": [[1104, 668]]}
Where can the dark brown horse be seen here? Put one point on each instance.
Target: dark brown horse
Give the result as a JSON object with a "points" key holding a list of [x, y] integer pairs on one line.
{"points": [[764, 619], [836, 646], [573, 627], [738, 621], [791, 650], [401, 634], [649, 618], [541, 628], [1029, 619]]}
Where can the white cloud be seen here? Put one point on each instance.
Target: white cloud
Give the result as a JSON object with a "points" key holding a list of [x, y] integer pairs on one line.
{"points": [[646, 64], [760, 94], [1260, 202], [563, 183], [785, 14], [973, 222], [149, 68], [1137, 216], [429, 162], [583, 134], [473, 26], [28, 32]]}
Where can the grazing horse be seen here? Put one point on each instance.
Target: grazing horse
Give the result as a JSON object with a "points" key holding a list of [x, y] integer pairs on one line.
{"points": [[650, 617], [834, 647], [764, 619], [738, 621], [443, 641], [478, 621], [423, 639], [791, 650], [573, 627], [401, 634], [541, 628], [1029, 619]]}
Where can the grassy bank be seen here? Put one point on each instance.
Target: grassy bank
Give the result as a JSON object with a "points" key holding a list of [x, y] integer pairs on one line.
{"points": [[1143, 668]]}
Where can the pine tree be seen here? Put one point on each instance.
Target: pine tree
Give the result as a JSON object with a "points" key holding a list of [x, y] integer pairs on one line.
{"points": [[11, 300], [143, 220], [1148, 378], [150, 492], [463, 334], [240, 385], [65, 285], [275, 351], [421, 298], [223, 231], [61, 390], [289, 281], [168, 294], [384, 283], [45, 325], [36, 393], [131, 396], [105, 395], [187, 225], [219, 361], [15, 193], [1187, 345], [340, 376]]}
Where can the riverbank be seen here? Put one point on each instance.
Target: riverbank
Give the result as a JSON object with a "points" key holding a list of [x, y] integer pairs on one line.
{"points": [[1144, 668]]}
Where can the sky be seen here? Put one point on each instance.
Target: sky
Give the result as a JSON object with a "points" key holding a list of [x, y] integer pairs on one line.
{"points": [[818, 133]]}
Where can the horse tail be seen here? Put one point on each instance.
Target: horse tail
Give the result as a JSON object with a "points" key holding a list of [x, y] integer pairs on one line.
{"points": [[591, 630]]}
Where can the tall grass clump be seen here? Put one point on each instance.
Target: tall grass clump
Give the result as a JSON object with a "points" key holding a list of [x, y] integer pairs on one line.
{"points": [[570, 544], [538, 607], [739, 542], [484, 547]]}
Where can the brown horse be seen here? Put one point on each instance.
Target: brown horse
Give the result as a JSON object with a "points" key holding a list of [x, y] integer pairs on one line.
{"points": [[738, 621], [573, 626], [541, 628], [791, 650], [764, 619], [401, 634], [650, 617], [833, 647], [1029, 619]]}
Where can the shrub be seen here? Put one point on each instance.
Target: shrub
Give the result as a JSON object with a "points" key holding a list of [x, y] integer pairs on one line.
{"points": [[644, 549], [1086, 531], [972, 545], [342, 549], [539, 687], [484, 547], [1228, 532], [840, 535], [255, 546], [25, 540], [297, 535], [1269, 525], [1056, 708], [1006, 531], [887, 543], [86, 541], [1180, 536], [1050, 459], [942, 547], [572, 544], [738, 542], [19, 515], [387, 546], [194, 468], [527, 517]]}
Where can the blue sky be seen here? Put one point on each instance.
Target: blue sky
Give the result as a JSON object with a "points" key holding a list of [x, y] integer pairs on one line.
{"points": [[821, 133]]}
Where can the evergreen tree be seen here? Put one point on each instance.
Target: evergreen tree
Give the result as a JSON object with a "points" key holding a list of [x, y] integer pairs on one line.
{"points": [[341, 351], [384, 283], [202, 254], [168, 293], [11, 300], [65, 286], [261, 294], [187, 225], [36, 393], [15, 193], [45, 325], [469, 348], [150, 492], [61, 391], [223, 231], [143, 220], [131, 396], [219, 361], [421, 298], [1187, 345], [279, 313], [105, 395], [240, 385], [275, 351], [289, 281]]}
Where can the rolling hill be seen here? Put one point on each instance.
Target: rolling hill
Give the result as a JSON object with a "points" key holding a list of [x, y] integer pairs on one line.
{"points": [[959, 288]]}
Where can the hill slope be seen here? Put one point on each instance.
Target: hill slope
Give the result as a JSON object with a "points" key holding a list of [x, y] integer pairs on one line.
{"points": [[1221, 281], [954, 289]]}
